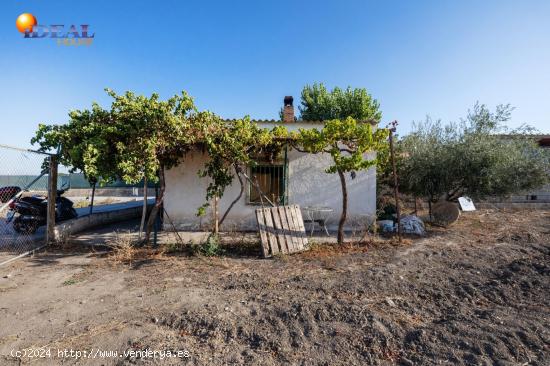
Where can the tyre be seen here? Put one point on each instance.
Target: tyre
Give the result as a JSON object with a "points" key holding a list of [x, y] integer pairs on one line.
{"points": [[24, 227], [73, 214]]}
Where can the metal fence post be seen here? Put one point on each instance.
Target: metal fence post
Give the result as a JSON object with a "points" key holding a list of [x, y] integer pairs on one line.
{"points": [[52, 197], [395, 181]]}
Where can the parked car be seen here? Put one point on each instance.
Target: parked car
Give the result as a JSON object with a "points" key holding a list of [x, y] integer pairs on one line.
{"points": [[7, 193]]}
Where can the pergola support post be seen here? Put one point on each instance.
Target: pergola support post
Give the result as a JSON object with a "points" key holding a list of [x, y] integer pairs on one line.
{"points": [[52, 197]]}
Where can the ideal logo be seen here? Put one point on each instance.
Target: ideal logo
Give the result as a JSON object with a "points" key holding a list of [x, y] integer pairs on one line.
{"points": [[27, 24]]}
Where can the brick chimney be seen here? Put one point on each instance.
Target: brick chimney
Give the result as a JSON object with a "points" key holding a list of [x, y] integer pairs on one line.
{"points": [[288, 110]]}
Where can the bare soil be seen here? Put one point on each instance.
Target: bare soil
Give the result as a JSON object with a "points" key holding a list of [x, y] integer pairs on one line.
{"points": [[476, 293]]}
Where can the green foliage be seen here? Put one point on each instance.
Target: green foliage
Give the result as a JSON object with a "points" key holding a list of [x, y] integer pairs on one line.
{"points": [[85, 143], [211, 247], [347, 135], [232, 146], [353, 146], [349, 142], [319, 104], [423, 158], [129, 141], [178, 247], [70, 281], [477, 157], [149, 133], [140, 137]]}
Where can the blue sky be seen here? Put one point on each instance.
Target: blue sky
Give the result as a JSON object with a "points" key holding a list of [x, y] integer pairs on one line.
{"points": [[242, 57]]}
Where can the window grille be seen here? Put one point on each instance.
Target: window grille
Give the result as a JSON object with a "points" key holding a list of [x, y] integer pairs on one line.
{"points": [[271, 181]]}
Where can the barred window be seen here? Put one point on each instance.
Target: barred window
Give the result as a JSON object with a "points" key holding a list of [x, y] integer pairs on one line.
{"points": [[270, 179]]}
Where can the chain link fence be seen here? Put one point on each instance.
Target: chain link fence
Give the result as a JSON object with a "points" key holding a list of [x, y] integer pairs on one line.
{"points": [[23, 206], [88, 199], [24, 187]]}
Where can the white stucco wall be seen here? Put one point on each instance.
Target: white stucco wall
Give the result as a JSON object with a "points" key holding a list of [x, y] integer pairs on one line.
{"points": [[308, 184]]}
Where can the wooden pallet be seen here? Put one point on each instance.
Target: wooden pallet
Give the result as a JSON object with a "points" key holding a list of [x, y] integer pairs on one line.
{"points": [[281, 230]]}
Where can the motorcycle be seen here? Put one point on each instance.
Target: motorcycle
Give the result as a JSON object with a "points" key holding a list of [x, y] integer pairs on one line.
{"points": [[30, 213]]}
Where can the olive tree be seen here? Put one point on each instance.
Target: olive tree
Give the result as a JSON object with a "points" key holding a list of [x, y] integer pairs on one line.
{"points": [[479, 156]]}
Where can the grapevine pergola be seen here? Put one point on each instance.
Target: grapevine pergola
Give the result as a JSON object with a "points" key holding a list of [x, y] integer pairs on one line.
{"points": [[140, 137]]}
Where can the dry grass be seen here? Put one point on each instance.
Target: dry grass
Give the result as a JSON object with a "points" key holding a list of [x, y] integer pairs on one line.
{"points": [[123, 248], [81, 204], [97, 202], [321, 250], [503, 225], [65, 244]]}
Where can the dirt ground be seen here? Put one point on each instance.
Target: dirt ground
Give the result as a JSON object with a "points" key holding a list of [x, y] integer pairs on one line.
{"points": [[476, 293]]}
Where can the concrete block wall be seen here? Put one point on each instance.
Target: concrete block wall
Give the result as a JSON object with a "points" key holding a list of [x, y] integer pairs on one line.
{"points": [[64, 229]]}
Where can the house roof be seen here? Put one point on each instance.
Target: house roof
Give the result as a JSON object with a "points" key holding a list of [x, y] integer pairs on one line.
{"points": [[296, 122], [291, 126], [542, 140], [277, 121]]}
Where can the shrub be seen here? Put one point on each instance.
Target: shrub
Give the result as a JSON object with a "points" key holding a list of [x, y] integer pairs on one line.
{"points": [[211, 247]]}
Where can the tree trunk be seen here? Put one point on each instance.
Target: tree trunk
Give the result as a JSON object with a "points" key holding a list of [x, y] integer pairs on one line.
{"points": [[344, 214], [93, 197], [144, 210], [236, 199], [454, 195], [156, 207], [215, 217]]}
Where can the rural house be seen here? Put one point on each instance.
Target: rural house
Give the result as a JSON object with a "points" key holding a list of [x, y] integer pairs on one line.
{"points": [[292, 178]]}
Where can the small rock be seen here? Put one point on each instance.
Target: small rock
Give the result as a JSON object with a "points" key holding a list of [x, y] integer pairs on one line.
{"points": [[226, 308], [8, 276], [406, 362], [390, 302]]}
